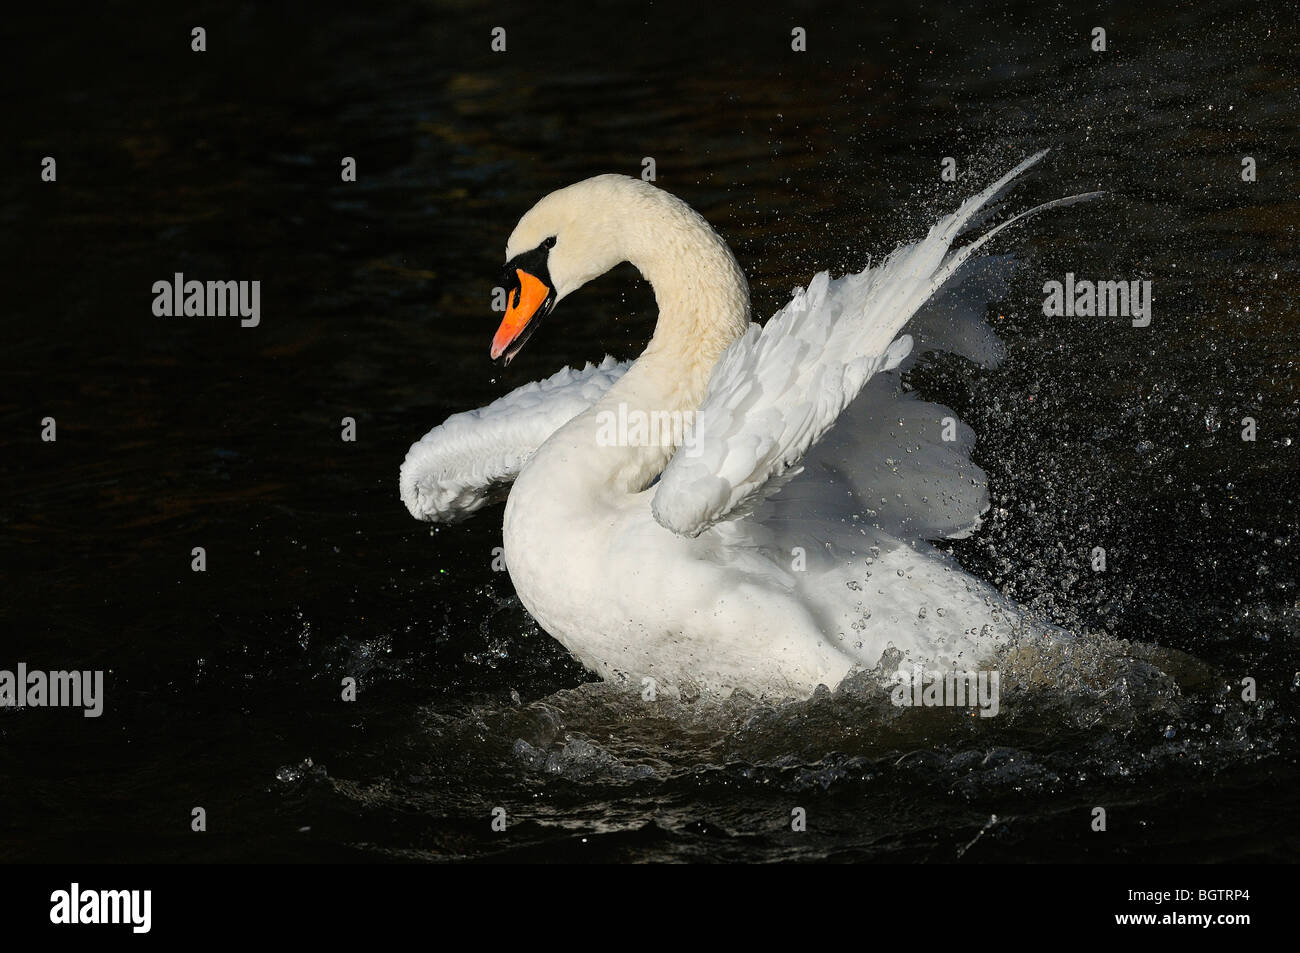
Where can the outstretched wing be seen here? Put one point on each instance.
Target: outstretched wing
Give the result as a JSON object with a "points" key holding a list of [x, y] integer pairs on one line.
{"points": [[472, 458], [779, 388]]}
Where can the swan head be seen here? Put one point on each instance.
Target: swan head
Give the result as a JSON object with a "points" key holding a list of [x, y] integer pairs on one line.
{"points": [[564, 241]]}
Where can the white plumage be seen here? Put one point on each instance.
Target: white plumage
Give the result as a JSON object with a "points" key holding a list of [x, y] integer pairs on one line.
{"points": [[471, 458], [786, 542], [779, 388]]}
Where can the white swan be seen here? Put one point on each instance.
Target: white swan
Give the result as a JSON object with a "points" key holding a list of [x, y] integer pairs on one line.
{"points": [[668, 553]]}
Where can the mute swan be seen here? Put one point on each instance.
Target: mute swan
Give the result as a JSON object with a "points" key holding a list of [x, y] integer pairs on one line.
{"points": [[775, 537]]}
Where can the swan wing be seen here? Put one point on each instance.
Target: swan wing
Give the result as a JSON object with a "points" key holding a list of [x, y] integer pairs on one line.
{"points": [[470, 459], [777, 389]]}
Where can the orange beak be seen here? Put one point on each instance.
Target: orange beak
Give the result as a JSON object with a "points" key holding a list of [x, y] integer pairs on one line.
{"points": [[522, 310]]}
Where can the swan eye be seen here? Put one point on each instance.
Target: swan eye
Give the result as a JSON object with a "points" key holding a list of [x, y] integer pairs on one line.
{"points": [[549, 243]]}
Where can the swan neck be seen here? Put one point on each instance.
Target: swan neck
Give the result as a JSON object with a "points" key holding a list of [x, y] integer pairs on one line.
{"points": [[627, 438], [703, 301], [702, 298]]}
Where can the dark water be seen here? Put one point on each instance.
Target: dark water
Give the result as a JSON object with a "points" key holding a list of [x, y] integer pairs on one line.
{"points": [[223, 687]]}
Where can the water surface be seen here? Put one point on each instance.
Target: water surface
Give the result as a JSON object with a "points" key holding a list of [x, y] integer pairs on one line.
{"points": [[223, 687]]}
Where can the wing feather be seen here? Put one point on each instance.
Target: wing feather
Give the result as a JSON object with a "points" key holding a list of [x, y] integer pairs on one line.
{"points": [[777, 389], [470, 459]]}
